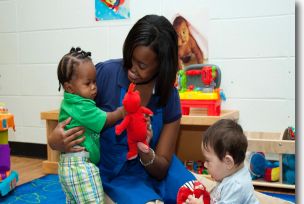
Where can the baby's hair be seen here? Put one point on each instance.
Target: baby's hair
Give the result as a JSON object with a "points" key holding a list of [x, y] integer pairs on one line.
{"points": [[68, 62], [226, 137]]}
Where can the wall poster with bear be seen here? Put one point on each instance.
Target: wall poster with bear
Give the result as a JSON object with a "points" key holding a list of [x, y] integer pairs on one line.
{"points": [[191, 29]]}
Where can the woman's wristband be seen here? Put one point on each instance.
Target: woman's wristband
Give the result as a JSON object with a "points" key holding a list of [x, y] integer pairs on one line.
{"points": [[149, 162]]}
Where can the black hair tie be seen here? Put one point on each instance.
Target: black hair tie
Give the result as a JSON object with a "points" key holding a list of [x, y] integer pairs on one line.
{"points": [[72, 50]]}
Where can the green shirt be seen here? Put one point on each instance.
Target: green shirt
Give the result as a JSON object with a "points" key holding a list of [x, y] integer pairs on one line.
{"points": [[84, 113]]}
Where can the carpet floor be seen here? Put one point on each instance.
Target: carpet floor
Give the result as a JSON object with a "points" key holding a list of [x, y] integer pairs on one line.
{"points": [[47, 189]]}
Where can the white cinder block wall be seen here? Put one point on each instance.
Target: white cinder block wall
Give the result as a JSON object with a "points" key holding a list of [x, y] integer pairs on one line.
{"points": [[252, 41]]}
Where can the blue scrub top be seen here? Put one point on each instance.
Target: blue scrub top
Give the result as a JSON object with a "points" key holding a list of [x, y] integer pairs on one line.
{"points": [[127, 181]]}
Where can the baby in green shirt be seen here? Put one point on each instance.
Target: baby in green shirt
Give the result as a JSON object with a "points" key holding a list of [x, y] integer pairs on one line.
{"points": [[78, 174]]}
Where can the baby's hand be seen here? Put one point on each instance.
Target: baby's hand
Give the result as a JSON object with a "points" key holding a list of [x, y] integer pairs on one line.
{"points": [[193, 200]]}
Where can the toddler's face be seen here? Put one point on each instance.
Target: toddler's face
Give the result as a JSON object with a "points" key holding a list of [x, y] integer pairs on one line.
{"points": [[83, 82], [216, 168]]}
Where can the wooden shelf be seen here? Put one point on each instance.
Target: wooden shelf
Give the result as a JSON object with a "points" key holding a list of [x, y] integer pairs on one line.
{"points": [[192, 126], [273, 184], [271, 142], [198, 117], [49, 115]]}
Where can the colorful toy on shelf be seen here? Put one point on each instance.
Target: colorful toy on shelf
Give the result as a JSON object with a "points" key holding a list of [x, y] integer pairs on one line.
{"points": [[260, 168], [289, 133], [196, 167], [257, 165], [189, 165], [289, 159], [198, 86], [8, 178], [272, 171], [289, 169]]}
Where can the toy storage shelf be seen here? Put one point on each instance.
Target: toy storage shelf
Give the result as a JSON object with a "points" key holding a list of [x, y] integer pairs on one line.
{"points": [[188, 144], [271, 142], [199, 117]]}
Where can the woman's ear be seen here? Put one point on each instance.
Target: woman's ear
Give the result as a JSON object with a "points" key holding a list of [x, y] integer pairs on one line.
{"points": [[68, 87], [229, 161]]}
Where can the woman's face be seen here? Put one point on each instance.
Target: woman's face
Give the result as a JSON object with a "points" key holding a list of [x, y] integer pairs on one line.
{"points": [[144, 65]]}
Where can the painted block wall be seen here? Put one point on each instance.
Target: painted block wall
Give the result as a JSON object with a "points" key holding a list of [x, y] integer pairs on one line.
{"points": [[253, 42]]}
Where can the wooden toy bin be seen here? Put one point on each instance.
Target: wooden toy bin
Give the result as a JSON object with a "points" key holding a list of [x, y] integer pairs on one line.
{"points": [[271, 142]]}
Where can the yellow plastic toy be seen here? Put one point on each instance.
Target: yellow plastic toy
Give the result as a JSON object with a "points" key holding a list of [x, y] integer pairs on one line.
{"points": [[198, 87], [6, 122]]}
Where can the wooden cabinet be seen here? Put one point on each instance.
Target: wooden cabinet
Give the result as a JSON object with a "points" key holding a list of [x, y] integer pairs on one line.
{"points": [[271, 143], [191, 131], [188, 144]]}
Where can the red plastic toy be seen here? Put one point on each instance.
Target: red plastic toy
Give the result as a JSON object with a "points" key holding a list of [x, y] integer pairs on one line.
{"points": [[195, 188], [199, 88], [213, 106], [135, 121]]}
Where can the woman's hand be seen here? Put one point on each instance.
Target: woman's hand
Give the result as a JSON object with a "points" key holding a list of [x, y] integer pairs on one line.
{"points": [[141, 146], [64, 141], [161, 158]]}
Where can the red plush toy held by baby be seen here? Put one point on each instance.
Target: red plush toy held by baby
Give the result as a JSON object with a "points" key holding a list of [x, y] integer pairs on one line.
{"points": [[193, 188], [134, 121]]}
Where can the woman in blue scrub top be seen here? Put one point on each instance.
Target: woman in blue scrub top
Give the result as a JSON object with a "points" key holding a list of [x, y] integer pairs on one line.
{"points": [[150, 60]]}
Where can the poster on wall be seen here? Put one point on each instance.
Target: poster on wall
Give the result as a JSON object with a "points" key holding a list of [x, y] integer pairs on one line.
{"points": [[112, 9], [192, 38]]}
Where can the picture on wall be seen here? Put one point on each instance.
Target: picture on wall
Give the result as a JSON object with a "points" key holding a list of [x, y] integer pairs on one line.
{"points": [[192, 38], [112, 9]]}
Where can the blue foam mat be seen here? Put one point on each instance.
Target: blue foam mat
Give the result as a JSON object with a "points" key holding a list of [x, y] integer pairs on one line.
{"points": [[46, 189], [288, 197]]}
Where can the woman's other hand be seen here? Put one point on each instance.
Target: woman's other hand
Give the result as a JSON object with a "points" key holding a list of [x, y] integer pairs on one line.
{"points": [[64, 141], [141, 146]]}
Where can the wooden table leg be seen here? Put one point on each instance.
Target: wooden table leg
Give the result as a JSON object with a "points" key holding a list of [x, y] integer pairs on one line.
{"points": [[50, 166]]}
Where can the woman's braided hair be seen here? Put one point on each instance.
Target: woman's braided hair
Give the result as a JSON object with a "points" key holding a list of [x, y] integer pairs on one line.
{"points": [[69, 62]]}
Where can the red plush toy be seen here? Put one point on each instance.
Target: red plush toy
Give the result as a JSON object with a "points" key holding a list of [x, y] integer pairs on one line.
{"points": [[134, 121], [195, 188]]}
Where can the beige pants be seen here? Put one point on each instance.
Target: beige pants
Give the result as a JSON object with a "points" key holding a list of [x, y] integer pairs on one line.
{"points": [[264, 199]]}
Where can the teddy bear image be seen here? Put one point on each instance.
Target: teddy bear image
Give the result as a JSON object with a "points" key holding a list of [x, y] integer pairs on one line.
{"points": [[188, 49]]}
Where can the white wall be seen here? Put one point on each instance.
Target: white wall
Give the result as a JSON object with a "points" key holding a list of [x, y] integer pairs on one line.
{"points": [[252, 41]]}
